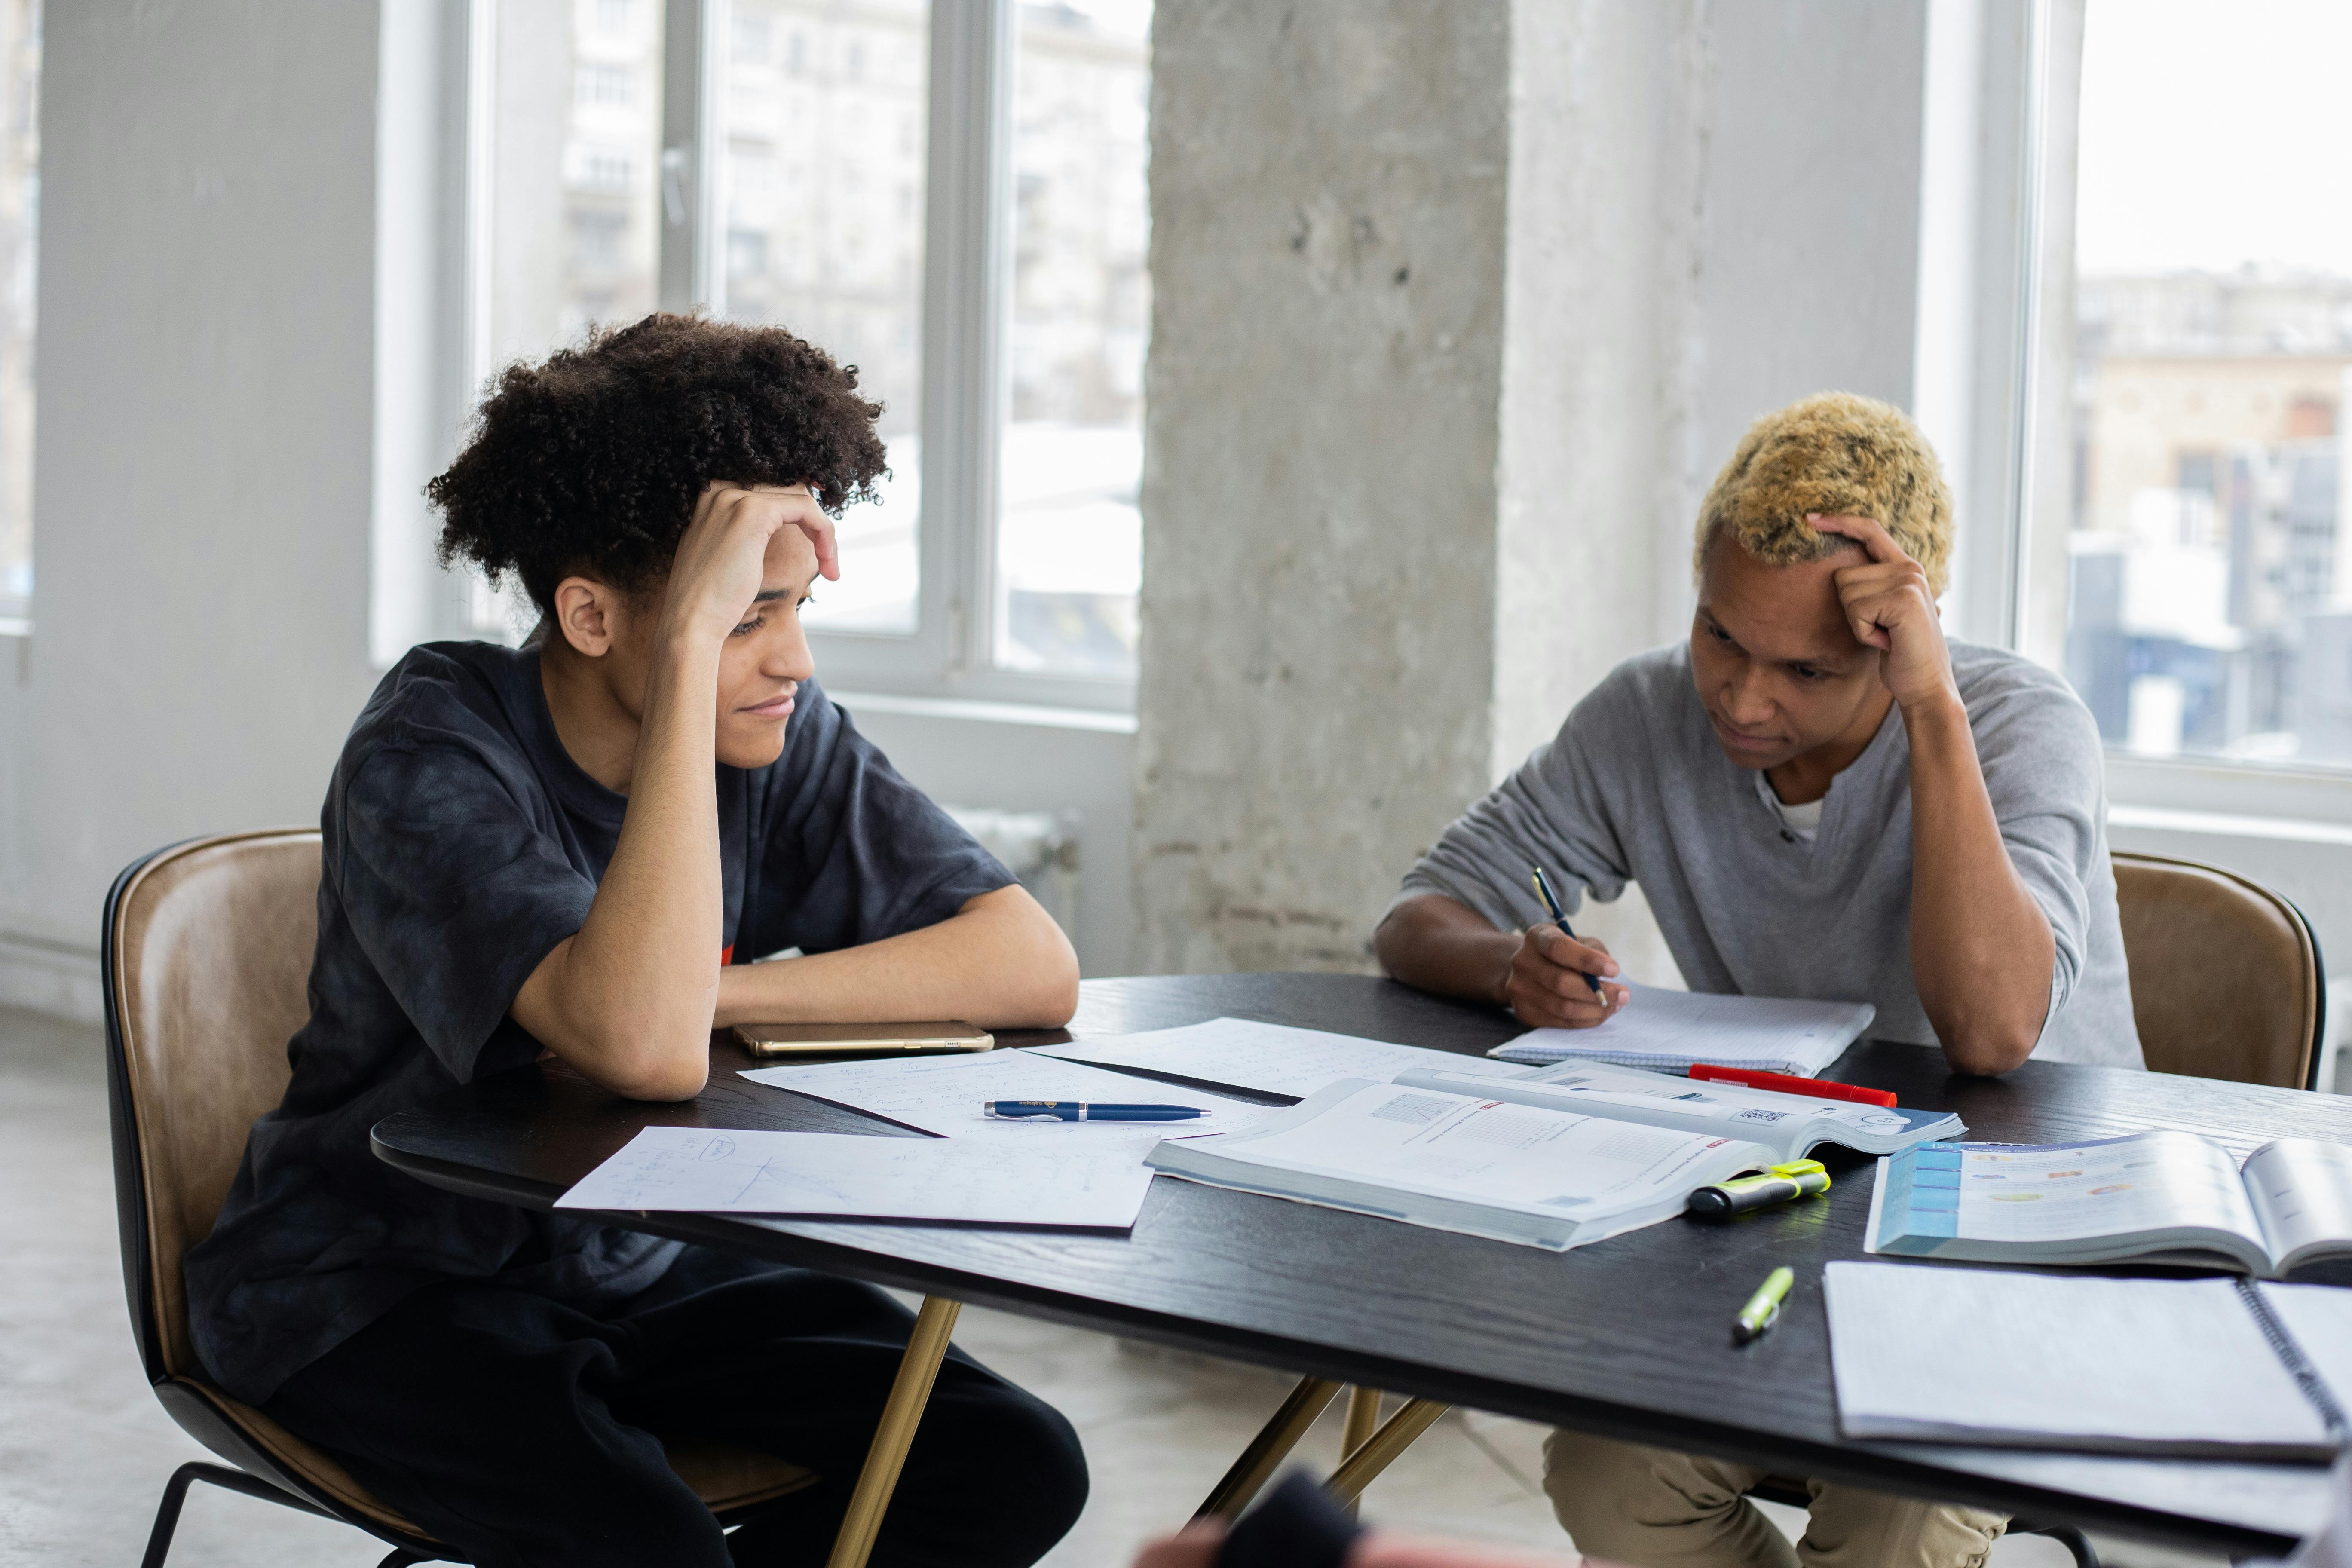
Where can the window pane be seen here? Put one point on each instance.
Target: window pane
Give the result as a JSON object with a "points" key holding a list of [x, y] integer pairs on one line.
{"points": [[20, 197], [826, 131], [575, 171], [2209, 602], [1069, 539]]}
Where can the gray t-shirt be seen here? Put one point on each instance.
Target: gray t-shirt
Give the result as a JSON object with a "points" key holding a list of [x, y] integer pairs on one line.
{"points": [[1636, 789]]}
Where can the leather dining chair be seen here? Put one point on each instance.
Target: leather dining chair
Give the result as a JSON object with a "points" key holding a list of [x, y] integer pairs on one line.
{"points": [[206, 963], [2226, 975]]}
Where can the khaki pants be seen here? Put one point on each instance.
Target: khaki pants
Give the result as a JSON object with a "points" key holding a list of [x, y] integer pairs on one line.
{"points": [[1656, 1509]]}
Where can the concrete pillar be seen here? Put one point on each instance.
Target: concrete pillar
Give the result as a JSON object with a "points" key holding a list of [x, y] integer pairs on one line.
{"points": [[1456, 308]]}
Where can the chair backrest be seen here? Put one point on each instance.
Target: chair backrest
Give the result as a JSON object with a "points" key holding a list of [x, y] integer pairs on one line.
{"points": [[2225, 974], [206, 967]]}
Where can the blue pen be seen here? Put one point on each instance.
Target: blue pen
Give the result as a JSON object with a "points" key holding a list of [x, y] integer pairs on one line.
{"points": [[1080, 1110], [1559, 919]]}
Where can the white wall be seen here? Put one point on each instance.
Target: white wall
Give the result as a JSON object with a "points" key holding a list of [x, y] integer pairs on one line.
{"points": [[202, 457]]}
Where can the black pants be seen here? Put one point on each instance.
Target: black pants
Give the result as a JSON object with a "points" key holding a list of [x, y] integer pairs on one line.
{"points": [[522, 1431]]}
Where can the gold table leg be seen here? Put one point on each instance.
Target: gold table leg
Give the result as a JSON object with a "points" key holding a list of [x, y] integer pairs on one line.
{"points": [[1363, 1417], [1267, 1449], [1379, 1450], [895, 1434]]}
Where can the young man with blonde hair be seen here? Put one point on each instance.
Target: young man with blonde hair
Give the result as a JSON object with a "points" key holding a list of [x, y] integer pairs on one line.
{"points": [[1820, 797]]}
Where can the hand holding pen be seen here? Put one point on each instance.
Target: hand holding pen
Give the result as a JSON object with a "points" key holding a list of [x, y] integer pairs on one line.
{"points": [[1555, 976]]}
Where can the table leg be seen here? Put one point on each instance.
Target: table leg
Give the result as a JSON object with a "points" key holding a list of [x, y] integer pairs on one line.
{"points": [[1379, 1450], [895, 1434], [1363, 1418], [1273, 1442]]}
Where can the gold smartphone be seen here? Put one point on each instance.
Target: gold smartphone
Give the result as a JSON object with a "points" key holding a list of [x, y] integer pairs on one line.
{"points": [[860, 1040]]}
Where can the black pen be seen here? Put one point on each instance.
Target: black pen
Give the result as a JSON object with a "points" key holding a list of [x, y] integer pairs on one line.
{"points": [[1559, 919]]}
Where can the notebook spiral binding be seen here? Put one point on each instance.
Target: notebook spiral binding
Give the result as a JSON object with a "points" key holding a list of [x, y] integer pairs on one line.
{"points": [[2291, 1356]]}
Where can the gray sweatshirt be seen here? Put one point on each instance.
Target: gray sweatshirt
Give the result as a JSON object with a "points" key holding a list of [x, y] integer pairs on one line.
{"points": [[1636, 789]]}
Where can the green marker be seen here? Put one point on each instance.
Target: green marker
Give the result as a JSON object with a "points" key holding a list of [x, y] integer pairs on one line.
{"points": [[1763, 1309]]}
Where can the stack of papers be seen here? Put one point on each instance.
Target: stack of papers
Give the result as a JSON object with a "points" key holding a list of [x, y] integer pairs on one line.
{"points": [[1271, 1058], [945, 1095], [697, 1170]]}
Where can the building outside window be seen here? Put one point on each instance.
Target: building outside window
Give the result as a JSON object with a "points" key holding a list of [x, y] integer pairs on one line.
{"points": [[20, 200], [2209, 589]]}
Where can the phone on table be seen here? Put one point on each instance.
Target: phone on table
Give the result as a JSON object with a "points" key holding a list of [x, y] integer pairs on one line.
{"points": [[860, 1040]]}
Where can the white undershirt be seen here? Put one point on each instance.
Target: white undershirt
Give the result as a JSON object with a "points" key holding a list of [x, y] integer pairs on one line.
{"points": [[1804, 821]]}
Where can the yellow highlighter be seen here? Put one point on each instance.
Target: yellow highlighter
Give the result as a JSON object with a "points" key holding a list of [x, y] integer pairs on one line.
{"points": [[1745, 1194]]}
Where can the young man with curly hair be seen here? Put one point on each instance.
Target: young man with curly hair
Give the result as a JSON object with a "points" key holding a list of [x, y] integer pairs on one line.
{"points": [[572, 848], [1820, 797]]}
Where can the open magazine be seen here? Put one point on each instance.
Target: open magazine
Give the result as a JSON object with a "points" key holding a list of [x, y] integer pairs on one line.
{"points": [[1482, 1166], [1790, 1124], [2164, 1196]]}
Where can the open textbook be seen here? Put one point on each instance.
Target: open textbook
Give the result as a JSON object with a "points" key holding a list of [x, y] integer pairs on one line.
{"points": [[1668, 1031], [1513, 1173], [711, 1171], [2171, 1198], [2217, 1368], [1789, 1124]]}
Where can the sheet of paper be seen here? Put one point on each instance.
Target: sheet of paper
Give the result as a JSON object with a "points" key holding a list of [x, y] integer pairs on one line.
{"points": [[2072, 1192], [1926, 1349], [1672, 1029], [1272, 1059], [945, 1095], [698, 1170]]}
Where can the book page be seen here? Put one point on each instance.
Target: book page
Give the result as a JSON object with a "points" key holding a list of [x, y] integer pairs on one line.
{"points": [[1272, 1059], [2066, 1191], [946, 1095], [1672, 1029], [2057, 1360], [2303, 1191], [1511, 1156], [699, 1170]]}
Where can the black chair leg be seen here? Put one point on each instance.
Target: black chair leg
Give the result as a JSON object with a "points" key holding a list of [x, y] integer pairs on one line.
{"points": [[175, 1496]]}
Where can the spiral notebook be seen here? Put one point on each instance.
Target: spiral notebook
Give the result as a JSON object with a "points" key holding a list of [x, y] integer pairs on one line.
{"points": [[2196, 1368], [1667, 1031]]}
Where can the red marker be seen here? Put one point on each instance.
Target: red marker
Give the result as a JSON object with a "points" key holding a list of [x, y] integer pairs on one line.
{"points": [[1789, 1083]]}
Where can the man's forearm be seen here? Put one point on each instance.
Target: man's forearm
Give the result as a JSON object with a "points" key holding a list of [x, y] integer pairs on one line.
{"points": [[1000, 962], [1982, 952], [1440, 945], [627, 999]]}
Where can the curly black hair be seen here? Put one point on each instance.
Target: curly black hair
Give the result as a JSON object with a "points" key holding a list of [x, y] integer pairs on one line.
{"points": [[592, 461]]}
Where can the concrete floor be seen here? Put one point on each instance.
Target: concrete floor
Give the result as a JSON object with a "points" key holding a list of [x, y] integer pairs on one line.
{"points": [[84, 1448]]}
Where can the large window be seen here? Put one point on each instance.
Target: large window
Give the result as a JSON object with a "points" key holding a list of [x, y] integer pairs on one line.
{"points": [[826, 112], [20, 200], [951, 200], [2209, 585], [1069, 539]]}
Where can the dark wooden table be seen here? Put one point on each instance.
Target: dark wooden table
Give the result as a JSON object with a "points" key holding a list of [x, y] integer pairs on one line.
{"points": [[1629, 1337]]}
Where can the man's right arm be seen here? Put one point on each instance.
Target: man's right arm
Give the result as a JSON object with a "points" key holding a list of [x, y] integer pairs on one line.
{"points": [[1437, 944], [628, 998]]}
